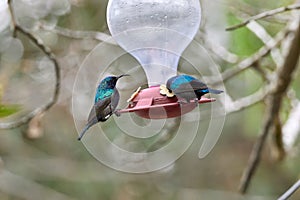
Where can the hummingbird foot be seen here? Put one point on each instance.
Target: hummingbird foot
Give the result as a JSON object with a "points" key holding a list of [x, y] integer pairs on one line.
{"points": [[117, 112], [196, 101], [182, 101]]}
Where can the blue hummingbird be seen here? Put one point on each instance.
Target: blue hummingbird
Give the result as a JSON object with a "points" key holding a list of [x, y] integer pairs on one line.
{"points": [[188, 88], [106, 101]]}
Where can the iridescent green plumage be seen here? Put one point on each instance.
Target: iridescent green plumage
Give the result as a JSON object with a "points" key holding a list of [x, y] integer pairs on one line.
{"points": [[103, 93]]}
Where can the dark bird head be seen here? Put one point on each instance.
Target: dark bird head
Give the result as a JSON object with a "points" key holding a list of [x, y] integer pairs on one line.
{"points": [[169, 82], [176, 81], [110, 82]]}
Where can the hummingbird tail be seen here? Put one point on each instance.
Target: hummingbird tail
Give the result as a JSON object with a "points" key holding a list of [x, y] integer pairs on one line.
{"points": [[84, 131], [87, 126], [213, 91]]}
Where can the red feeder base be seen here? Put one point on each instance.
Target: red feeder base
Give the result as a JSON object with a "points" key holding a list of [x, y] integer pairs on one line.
{"points": [[150, 104]]}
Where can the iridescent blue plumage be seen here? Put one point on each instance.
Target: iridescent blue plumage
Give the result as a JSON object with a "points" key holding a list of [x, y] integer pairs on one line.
{"points": [[188, 88], [101, 94], [181, 79], [105, 103], [105, 88]]}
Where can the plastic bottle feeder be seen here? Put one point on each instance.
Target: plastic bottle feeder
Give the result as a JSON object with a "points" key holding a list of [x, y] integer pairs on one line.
{"points": [[155, 32]]}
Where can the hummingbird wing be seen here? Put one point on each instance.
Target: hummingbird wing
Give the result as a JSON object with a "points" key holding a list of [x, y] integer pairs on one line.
{"points": [[101, 110], [114, 100], [202, 87], [185, 91], [198, 85], [185, 87], [191, 90]]}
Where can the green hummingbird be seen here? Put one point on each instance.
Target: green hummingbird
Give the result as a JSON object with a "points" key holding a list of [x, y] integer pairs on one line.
{"points": [[106, 101]]}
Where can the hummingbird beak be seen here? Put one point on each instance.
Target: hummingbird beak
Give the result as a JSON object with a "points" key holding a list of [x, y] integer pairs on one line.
{"points": [[122, 75]]}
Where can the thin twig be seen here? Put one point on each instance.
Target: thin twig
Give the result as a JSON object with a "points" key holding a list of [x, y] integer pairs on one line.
{"points": [[250, 61], [218, 49], [290, 191], [273, 102], [245, 11], [264, 75], [256, 154], [81, 34], [265, 37], [264, 15], [245, 102], [13, 19], [47, 51]]}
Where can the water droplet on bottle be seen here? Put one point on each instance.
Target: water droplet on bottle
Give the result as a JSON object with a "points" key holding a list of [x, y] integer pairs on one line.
{"points": [[166, 16], [190, 11]]}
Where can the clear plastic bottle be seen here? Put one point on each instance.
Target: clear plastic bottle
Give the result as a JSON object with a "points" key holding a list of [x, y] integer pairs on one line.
{"points": [[155, 32]]}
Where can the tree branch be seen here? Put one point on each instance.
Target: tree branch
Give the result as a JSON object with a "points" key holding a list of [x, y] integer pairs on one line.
{"points": [[219, 50], [264, 36], [264, 15], [47, 51], [281, 83], [290, 191], [81, 34], [250, 61], [245, 102]]}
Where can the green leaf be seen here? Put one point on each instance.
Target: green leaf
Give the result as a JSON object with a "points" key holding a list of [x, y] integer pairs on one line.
{"points": [[6, 110]]}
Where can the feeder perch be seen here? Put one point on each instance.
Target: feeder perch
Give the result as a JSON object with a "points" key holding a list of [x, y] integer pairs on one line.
{"points": [[149, 103]]}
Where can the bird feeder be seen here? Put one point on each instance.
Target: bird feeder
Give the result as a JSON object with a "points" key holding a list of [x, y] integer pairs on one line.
{"points": [[155, 32]]}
